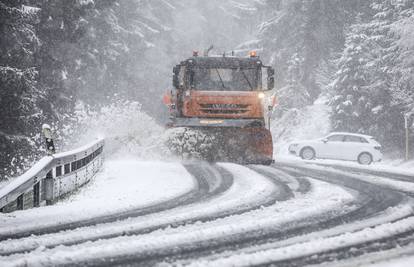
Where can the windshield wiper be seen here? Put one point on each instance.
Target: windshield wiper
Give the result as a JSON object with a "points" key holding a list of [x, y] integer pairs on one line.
{"points": [[245, 77], [221, 80]]}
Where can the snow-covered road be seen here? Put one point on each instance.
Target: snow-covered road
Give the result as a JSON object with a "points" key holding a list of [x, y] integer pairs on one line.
{"points": [[290, 214]]}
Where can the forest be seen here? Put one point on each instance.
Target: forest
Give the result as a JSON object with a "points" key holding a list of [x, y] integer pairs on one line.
{"points": [[354, 58]]}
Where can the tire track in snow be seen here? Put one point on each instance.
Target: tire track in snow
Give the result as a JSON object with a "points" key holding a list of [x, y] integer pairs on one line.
{"points": [[374, 199], [298, 184], [401, 229], [369, 206], [244, 195], [150, 256], [371, 202], [382, 199], [214, 177]]}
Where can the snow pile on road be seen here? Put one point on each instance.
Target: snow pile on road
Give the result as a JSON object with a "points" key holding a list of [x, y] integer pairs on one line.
{"points": [[189, 143], [297, 124], [121, 186]]}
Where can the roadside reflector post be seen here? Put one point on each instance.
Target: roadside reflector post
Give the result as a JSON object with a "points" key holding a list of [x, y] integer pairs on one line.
{"points": [[47, 133]]}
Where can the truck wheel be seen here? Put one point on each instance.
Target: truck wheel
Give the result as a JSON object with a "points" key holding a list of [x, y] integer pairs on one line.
{"points": [[307, 153], [267, 162], [365, 158]]}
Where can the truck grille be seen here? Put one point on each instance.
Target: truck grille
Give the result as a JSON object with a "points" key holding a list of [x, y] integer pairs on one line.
{"points": [[224, 108]]}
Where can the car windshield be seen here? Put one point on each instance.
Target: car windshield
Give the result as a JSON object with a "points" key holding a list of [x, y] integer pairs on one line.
{"points": [[225, 79]]}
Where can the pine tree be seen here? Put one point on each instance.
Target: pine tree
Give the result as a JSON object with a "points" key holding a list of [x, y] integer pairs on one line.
{"points": [[62, 24], [21, 98], [304, 36], [95, 50]]}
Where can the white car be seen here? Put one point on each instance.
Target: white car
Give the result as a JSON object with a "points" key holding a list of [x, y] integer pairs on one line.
{"points": [[343, 146]]}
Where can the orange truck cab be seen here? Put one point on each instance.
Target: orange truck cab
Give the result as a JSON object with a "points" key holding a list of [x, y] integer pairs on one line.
{"points": [[220, 87], [223, 92]]}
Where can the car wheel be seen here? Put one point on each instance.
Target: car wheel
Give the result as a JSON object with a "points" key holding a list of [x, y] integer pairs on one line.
{"points": [[307, 153], [365, 158]]}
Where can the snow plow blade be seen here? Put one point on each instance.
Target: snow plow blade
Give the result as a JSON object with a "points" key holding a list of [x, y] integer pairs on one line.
{"points": [[249, 145], [216, 123]]}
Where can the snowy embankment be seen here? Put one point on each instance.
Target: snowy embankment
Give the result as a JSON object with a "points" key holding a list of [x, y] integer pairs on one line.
{"points": [[299, 124], [121, 186]]}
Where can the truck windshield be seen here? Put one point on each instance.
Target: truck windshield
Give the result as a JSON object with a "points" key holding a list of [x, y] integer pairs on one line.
{"points": [[225, 79]]}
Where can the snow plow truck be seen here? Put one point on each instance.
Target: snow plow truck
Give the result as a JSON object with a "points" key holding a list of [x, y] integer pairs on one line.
{"points": [[219, 108]]}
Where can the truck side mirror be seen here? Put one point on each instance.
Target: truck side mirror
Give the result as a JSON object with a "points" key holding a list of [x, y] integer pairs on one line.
{"points": [[176, 71], [270, 78]]}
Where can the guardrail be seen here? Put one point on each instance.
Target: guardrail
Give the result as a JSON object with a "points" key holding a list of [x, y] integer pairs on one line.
{"points": [[52, 177]]}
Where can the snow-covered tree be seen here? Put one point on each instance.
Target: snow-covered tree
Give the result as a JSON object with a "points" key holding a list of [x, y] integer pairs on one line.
{"points": [[95, 49], [21, 99], [300, 37], [370, 89]]}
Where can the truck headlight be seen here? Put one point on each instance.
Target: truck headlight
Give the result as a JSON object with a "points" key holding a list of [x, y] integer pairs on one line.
{"points": [[261, 95]]}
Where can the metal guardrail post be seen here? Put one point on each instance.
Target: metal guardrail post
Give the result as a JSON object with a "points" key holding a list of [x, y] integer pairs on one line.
{"points": [[19, 201], [49, 185], [36, 194]]}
